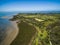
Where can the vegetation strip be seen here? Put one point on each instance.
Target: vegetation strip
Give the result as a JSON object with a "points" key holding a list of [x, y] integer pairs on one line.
{"points": [[26, 32]]}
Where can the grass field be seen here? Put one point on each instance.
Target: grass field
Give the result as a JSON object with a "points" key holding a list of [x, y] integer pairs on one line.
{"points": [[46, 27], [26, 32]]}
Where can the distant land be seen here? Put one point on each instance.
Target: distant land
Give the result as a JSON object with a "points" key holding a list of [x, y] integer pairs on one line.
{"points": [[11, 14], [30, 11]]}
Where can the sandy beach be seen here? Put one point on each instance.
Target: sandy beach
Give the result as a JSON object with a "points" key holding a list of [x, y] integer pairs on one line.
{"points": [[11, 34]]}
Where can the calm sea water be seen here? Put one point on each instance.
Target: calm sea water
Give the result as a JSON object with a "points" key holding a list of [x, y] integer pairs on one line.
{"points": [[4, 24], [7, 14]]}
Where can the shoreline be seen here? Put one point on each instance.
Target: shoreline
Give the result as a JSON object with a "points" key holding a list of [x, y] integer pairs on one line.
{"points": [[11, 34]]}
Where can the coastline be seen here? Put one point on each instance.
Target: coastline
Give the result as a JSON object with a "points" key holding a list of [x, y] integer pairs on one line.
{"points": [[11, 34]]}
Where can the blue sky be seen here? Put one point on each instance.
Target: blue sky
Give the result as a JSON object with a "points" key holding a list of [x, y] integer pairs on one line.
{"points": [[29, 5]]}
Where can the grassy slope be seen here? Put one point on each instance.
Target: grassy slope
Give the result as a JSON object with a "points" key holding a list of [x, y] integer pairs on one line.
{"points": [[26, 32], [46, 25]]}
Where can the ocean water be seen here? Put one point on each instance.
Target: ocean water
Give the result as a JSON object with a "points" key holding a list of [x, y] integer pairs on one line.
{"points": [[4, 24], [9, 14]]}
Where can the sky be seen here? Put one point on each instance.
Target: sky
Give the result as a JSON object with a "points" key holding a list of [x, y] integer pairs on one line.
{"points": [[29, 5]]}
